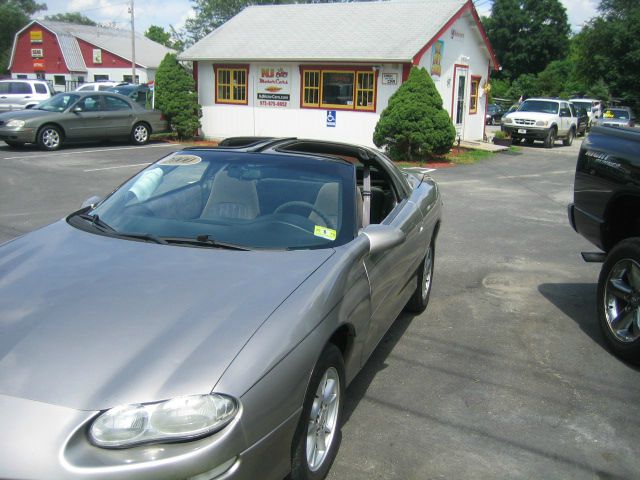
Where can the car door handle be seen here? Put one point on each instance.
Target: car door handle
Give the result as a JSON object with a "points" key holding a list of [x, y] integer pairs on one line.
{"points": [[3, 97], [27, 96]]}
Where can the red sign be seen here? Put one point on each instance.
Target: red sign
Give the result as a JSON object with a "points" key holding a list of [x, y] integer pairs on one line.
{"points": [[38, 64]]}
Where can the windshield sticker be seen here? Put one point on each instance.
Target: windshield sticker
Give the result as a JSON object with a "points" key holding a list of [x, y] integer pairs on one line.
{"points": [[180, 160], [144, 186], [324, 232]]}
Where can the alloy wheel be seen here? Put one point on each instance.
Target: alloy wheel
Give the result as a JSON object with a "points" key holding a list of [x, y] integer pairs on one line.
{"points": [[622, 300], [51, 138], [323, 419]]}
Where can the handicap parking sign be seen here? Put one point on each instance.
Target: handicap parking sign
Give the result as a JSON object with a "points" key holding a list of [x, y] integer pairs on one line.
{"points": [[331, 118]]}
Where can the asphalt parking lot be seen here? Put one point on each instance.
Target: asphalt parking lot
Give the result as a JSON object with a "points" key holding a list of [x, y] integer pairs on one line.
{"points": [[504, 376]]}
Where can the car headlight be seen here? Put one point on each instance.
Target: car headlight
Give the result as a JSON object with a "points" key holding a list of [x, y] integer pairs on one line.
{"points": [[15, 123], [181, 418], [507, 120], [541, 123]]}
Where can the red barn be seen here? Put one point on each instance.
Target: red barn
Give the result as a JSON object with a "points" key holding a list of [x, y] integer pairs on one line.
{"points": [[68, 54]]}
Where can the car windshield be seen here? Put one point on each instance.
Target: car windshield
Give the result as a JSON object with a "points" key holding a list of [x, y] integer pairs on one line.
{"points": [[226, 198], [541, 106], [616, 113], [59, 103], [582, 104]]}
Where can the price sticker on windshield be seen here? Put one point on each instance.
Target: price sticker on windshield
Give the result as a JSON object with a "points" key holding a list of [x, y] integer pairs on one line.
{"points": [[324, 232]]}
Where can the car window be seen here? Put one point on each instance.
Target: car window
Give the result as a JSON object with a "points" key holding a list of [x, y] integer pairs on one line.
{"points": [[114, 103], [4, 87], [41, 88], [102, 88], [541, 106], [85, 88], [59, 103], [616, 113], [254, 200], [20, 88], [90, 104]]}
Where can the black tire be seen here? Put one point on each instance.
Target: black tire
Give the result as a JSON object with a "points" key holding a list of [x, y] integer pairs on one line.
{"points": [[420, 298], [551, 138], [330, 361], [140, 133], [619, 291], [49, 138], [570, 136], [13, 144]]}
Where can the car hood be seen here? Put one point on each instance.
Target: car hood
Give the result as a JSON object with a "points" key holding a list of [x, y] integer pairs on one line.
{"points": [[90, 321], [27, 114], [613, 121], [532, 115]]}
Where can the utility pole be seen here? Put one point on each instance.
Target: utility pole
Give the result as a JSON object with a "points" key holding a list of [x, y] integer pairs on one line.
{"points": [[133, 46]]}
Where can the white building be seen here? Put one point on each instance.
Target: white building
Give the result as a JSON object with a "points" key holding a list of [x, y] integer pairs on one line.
{"points": [[328, 70]]}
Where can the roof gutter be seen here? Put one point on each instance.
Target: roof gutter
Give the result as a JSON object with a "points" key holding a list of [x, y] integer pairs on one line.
{"points": [[189, 58]]}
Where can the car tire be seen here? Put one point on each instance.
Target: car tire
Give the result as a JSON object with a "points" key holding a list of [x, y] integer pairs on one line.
{"points": [[49, 138], [321, 418], [14, 144], [140, 134], [420, 298], [619, 292], [569, 140], [550, 140]]}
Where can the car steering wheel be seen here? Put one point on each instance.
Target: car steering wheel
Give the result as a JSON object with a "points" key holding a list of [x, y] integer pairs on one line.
{"points": [[313, 208]]}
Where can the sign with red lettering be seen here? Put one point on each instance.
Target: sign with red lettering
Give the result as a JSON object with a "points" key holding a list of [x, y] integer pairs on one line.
{"points": [[273, 86]]}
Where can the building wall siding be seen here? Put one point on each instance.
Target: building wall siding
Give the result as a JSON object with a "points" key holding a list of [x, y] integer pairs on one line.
{"points": [[52, 55]]}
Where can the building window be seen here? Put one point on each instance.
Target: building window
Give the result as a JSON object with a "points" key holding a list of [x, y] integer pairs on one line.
{"points": [[59, 80], [100, 78], [473, 100], [231, 85], [342, 89], [127, 78]]}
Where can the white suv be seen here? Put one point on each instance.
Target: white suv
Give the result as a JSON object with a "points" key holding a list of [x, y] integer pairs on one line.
{"points": [[20, 94], [542, 119]]}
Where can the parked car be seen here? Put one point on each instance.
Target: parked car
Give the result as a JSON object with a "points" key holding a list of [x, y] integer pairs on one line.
{"points": [[21, 94], [204, 319], [583, 121], [98, 86], [542, 119], [591, 105], [494, 114], [78, 116], [605, 210], [617, 117], [141, 94]]}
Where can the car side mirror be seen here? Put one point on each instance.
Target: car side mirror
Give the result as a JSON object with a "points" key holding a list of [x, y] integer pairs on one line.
{"points": [[29, 107], [383, 237], [91, 201], [76, 109]]}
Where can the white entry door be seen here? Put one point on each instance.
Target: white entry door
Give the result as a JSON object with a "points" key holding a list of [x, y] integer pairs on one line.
{"points": [[460, 99]]}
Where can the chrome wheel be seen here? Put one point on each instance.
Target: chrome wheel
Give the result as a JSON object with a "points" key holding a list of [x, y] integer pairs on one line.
{"points": [[323, 419], [622, 300], [50, 138], [140, 134], [426, 276]]}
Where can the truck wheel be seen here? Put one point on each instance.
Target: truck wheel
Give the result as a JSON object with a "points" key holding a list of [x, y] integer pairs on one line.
{"points": [[569, 140], [619, 300], [551, 138]]}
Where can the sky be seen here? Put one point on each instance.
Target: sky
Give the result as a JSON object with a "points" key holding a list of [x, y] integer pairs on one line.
{"points": [[164, 13]]}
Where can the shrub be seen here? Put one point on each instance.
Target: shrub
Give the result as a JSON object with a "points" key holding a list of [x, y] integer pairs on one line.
{"points": [[414, 125], [501, 134], [176, 97]]}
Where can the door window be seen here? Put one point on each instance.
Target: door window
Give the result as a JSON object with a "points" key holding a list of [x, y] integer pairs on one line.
{"points": [[113, 104], [21, 88], [462, 85], [90, 104]]}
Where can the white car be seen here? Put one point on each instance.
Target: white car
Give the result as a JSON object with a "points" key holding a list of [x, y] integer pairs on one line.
{"points": [[98, 86], [19, 94], [543, 119], [591, 105]]}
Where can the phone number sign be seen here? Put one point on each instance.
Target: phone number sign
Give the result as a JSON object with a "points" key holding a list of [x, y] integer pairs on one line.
{"points": [[273, 86]]}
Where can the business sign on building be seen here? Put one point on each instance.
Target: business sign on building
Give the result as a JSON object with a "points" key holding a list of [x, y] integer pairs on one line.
{"points": [[273, 86], [35, 36], [39, 65], [37, 53], [97, 55], [437, 52]]}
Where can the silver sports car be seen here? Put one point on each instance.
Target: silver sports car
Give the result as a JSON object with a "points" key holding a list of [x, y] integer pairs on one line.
{"points": [[204, 319]]}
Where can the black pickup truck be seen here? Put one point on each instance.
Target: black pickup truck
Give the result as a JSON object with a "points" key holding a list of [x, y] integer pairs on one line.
{"points": [[606, 211]]}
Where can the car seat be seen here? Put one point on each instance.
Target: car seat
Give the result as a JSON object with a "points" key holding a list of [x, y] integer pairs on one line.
{"points": [[231, 198]]}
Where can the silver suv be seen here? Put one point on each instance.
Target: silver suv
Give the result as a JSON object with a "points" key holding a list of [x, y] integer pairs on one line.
{"points": [[21, 94]]}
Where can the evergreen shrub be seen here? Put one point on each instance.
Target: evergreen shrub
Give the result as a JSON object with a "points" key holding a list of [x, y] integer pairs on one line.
{"points": [[414, 125], [176, 97]]}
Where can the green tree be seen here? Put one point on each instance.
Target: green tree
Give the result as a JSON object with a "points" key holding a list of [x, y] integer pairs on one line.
{"points": [[168, 39], [527, 34], [176, 97], [414, 124], [71, 17], [14, 14], [609, 50]]}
